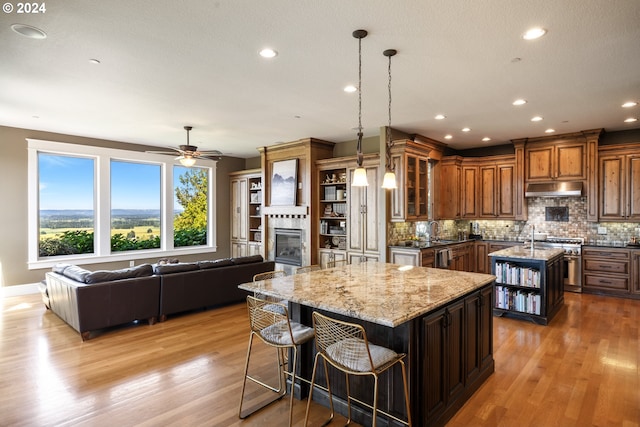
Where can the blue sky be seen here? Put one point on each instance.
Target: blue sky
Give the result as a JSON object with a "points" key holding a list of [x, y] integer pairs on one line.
{"points": [[68, 183]]}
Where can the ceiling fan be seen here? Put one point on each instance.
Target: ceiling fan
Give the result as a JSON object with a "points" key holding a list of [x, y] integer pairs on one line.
{"points": [[188, 154]]}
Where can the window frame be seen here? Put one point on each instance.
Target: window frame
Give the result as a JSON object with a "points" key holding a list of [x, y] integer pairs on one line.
{"points": [[102, 204]]}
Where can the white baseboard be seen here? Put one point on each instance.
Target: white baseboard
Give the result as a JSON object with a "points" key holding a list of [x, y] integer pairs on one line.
{"points": [[14, 291]]}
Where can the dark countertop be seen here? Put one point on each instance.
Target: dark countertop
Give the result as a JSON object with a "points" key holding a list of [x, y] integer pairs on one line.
{"points": [[612, 244], [446, 242]]}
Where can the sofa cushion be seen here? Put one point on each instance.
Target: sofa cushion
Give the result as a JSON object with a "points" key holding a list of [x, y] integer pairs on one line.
{"points": [[247, 259], [175, 268], [59, 268], [99, 276], [76, 273], [225, 262]]}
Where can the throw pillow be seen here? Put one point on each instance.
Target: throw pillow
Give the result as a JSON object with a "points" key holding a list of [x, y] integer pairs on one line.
{"points": [[142, 270], [215, 263]]}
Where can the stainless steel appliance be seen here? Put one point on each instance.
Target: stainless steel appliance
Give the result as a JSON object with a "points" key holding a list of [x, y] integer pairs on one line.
{"points": [[572, 247]]}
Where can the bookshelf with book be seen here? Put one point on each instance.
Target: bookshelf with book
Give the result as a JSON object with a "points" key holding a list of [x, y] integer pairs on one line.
{"points": [[529, 283]]}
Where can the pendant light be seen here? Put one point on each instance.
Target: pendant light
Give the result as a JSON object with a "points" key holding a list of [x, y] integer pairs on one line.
{"points": [[389, 180], [360, 174]]}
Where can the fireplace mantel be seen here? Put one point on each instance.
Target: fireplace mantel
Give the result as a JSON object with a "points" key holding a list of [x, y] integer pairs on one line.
{"points": [[286, 211]]}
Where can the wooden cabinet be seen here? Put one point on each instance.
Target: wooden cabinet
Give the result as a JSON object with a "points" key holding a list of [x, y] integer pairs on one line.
{"points": [[635, 273], [462, 257], [348, 216], [413, 163], [457, 346], [478, 188], [363, 237], [330, 255], [606, 270], [482, 257], [619, 184], [553, 160], [424, 257], [246, 213], [531, 289], [450, 200]]}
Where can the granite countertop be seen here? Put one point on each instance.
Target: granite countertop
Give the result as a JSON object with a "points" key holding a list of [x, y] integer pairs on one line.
{"points": [[386, 294], [522, 252], [612, 244]]}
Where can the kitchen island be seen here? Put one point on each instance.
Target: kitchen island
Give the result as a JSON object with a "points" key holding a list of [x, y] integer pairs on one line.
{"points": [[529, 283], [441, 319]]}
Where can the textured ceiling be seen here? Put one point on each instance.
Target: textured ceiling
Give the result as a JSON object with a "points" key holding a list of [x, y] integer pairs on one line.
{"points": [[169, 64]]}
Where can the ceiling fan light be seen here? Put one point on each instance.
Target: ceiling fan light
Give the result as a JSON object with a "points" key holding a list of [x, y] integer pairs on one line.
{"points": [[187, 161]]}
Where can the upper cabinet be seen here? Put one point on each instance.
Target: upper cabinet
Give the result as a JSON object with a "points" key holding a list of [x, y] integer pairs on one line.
{"points": [[552, 161], [477, 188], [619, 183], [413, 164]]}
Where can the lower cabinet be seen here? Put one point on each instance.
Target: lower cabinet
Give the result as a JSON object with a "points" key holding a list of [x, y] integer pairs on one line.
{"points": [[606, 271], [457, 341], [238, 249], [418, 257], [635, 272], [330, 255]]}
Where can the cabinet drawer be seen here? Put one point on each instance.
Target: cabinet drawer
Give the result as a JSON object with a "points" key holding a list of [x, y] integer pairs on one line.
{"points": [[606, 266], [605, 253], [603, 282]]}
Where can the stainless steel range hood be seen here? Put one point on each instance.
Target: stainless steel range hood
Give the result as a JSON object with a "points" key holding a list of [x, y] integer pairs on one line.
{"points": [[554, 189]]}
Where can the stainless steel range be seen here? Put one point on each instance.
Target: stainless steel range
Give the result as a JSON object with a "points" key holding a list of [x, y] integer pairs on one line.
{"points": [[572, 258]]}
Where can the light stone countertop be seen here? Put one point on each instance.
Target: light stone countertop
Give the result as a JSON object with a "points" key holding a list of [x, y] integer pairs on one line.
{"points": [[522, 252], [386, 294]]}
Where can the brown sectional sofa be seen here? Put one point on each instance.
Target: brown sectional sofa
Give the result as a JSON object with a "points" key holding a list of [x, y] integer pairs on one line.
{"points": [[89, 301]]}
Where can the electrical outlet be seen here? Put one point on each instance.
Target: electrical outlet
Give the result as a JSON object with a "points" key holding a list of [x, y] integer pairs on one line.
{"points": [[602, 230], [131, 263], [516, 228]]}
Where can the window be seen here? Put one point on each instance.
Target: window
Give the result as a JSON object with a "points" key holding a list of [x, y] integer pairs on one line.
{"points": [[92, 204], [135, 209], [66, 194]]}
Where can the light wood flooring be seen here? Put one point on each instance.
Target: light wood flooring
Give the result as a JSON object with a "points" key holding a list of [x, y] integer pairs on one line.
{"points": [[581, 370]]}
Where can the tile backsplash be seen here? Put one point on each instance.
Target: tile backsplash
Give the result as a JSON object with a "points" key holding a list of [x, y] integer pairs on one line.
{"points": [[576, 226]]}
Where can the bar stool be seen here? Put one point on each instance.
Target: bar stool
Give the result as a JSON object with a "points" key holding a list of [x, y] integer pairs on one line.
{"points": [[276, 330], [345, 346], [308, 269], [266, 276]]}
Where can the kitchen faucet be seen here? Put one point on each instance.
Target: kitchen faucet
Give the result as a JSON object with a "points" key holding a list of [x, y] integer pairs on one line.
{"points": [[433, 231]]}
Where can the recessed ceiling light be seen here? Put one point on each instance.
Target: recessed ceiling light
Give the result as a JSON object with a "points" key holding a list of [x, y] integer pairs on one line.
{"points": [[466, 129], [630, 120], [536, 119], [440, 117], [486, 138], [94, 61], [29, 31], [268, 53], [350, 89], [448, 137], [534, 33], [549, 130], [629, 104], [519, 102]]}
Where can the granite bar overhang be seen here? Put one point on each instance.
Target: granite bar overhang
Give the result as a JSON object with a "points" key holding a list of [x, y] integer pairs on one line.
{"points": [[381, 293]]}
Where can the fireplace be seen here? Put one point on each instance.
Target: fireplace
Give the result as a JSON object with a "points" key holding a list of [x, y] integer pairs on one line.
{"points": [[288, 246]]}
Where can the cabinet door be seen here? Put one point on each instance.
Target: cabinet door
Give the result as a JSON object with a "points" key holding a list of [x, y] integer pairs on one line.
{"points": [[455, 334], [239, 211], [398, 208], [635, 272], [238, 249], [506, 196], [633, 188], [450, 181], [469, 192], [570, 162], [423, 187], [363, 214], [488, 194], [482, 258], [539, 163], [612, 187], [404, 257], [434, 365]]}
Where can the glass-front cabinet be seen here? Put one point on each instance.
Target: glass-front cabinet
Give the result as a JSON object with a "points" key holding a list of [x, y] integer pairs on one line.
{"points": [[413, 163]]}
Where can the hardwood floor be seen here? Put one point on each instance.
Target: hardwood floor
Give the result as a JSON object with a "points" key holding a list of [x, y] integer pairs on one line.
{"points": [[582, 369]]}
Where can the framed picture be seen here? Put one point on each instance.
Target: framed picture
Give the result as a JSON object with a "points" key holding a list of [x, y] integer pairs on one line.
{"points": [[284, 183]]}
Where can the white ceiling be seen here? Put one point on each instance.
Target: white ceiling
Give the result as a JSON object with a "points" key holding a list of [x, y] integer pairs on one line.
{"points": [[166, 64]]}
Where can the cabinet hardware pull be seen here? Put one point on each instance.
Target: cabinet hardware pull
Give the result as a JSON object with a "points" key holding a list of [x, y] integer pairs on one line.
{"points": [[606, 282]]}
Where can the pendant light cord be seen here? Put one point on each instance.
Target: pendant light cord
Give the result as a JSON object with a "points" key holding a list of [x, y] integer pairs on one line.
{"points": [[359, 145]]}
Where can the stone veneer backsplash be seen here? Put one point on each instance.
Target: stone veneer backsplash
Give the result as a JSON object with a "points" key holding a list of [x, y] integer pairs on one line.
{"points": [[577, 226]]}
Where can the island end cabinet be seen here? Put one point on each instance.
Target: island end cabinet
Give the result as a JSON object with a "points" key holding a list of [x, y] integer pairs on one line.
{"points": [[529, 284]]}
